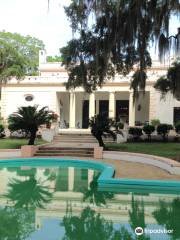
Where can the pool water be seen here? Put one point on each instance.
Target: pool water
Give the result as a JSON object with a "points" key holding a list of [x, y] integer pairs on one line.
{"points": [[60, 202]]}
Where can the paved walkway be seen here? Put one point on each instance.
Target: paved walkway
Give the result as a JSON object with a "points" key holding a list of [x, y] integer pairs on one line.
{"points": [[138, 170]]}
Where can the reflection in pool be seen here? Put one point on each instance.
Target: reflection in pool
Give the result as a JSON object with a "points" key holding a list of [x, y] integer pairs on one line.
{"points": [[54, 203]]}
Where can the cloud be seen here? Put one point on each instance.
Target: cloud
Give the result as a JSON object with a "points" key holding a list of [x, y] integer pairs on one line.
{"points": [[32, 17]]}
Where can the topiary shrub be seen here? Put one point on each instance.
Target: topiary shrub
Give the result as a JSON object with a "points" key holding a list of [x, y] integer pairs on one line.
{"points": [[163, 130], [135, 132], [177, 127], [148, 130], [155, 122], [2, 133]]}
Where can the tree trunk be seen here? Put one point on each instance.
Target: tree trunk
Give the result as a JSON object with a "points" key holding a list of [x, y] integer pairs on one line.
{"points": [[32, 137], [101, 143]]}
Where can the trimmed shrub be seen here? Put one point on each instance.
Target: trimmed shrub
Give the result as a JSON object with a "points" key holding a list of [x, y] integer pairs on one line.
{"points": [[177, 127], [155, 122], [148, 130], [2, 133], [136, 132], [163, 130]]}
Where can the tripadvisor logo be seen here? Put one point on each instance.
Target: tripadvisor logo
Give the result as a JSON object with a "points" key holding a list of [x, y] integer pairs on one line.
{"points": [[139, 231]]}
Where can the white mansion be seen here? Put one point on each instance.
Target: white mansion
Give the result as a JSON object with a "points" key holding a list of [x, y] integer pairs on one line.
{"points": [[75, 107]]}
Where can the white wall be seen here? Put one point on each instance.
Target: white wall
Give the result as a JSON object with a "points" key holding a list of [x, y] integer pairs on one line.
{"points": [[143, 114], [13, 98], [165, 108]]}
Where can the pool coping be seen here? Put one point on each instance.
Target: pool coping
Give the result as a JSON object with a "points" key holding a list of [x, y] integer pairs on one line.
{"points": [[105, 180], [166, 164]]}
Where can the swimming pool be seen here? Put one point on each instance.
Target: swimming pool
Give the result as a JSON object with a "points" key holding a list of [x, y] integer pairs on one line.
{"points": [[50, 199]]}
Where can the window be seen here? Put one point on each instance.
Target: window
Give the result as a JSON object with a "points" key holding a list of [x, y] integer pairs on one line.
{"points": [[29, 97]]}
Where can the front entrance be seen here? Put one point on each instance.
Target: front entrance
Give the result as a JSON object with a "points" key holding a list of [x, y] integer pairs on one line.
{"points": [[122, 110], [85, 114], [176, 114], [104, 107]]}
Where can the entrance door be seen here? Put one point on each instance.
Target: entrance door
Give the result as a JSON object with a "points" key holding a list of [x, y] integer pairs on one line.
{"points": [[104, 107], [122, 110], [176, 114], [85, 114]]}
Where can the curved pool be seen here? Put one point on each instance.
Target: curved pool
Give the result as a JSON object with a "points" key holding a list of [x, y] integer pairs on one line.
{"points": [[105, 180], [50, 199]]}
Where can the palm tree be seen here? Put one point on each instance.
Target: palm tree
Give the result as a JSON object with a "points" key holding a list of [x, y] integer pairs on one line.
{"points": [[100, 125], [96, 196], [29, 119], [28, 193]]}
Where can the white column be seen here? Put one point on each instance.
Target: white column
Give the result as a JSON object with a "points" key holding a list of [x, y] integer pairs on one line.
{"points": [[131, 110], [91, 105], [152, 104], [72, 110], [112, 105], [97, 106], [70, 178], [90, 176]]}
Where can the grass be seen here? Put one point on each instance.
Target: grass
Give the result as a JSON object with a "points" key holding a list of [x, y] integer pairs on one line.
{"points": [[14, 143], [169, 150]]}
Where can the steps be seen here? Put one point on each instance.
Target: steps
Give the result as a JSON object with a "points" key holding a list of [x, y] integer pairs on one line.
{"points": [[74, 138], [71, 145], [59, 151]]}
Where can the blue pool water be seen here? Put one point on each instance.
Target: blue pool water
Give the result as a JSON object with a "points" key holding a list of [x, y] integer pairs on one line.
{"points": [[52, 199]]}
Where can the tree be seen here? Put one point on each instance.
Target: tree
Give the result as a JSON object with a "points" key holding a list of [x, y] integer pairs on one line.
{"points": [[168, 215], [2, 133], [16, 224], [29, 193], [148, 129], [100, 125], [137, 217], [12, 63], [26, 47], [94, 195], [135, 132], [163, 130], [171, 82], [18, 56], [90, 225], [29, 119], [54, 58], [113, 37]]}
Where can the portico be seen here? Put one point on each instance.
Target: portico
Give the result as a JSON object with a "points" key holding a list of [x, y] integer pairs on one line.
{"points": [[76, 108]]}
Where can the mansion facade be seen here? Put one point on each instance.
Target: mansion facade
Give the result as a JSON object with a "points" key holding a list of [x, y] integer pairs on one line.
{"points": [[75, 107]]}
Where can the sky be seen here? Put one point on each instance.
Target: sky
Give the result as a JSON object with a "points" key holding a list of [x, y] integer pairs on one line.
{"points": [[31, 17]]}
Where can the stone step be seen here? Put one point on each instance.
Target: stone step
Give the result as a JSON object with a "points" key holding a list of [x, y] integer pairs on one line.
{"points": [[65, 148], [90, 138], [74, 140], [65, 154], [64, 151]]}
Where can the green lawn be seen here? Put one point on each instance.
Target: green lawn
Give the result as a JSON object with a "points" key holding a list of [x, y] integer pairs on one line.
{"points": [[11, 143], [169, 150]]}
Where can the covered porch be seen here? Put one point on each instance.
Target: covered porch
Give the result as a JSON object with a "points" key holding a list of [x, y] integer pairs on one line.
{"points": [[76, 108]]}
